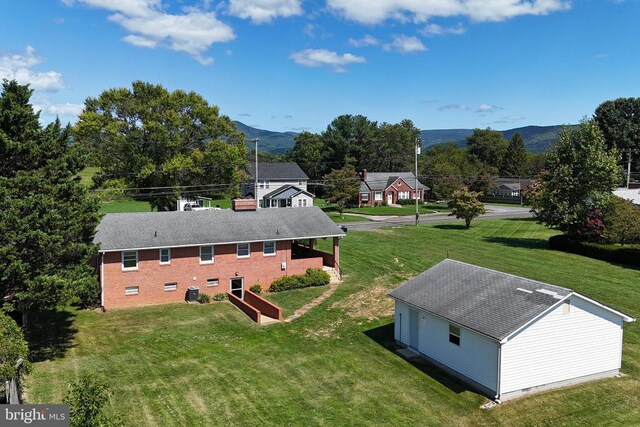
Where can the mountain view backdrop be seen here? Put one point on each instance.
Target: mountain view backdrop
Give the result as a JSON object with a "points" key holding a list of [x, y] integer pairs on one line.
{"points": [[536, 138]]}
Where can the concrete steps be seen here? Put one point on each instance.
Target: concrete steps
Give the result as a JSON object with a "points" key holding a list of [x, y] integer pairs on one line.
{"points": [[335, 278]]}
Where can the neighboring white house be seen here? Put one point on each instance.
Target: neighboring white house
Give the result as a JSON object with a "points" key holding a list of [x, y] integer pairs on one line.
{"points": [[279, 185], [506, 335]]}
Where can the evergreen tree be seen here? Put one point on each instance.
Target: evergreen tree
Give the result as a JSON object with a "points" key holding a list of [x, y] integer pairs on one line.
{"points": [[46, 219], [515, 158]]}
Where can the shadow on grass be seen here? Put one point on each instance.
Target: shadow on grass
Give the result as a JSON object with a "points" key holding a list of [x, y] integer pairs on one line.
{"points": [[383, 335], [450, 227], [50, 335], [519, 242]]}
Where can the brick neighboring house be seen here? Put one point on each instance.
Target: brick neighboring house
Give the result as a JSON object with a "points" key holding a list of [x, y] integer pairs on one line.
{"points": [[280, 185], [153, 257], [389, 187]]}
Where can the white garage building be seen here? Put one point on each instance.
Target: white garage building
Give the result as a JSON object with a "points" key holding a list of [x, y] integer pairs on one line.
{"points": [[506, 335]]}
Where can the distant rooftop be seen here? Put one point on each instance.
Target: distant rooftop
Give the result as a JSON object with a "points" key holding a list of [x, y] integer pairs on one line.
{"points": [[289, 170]]}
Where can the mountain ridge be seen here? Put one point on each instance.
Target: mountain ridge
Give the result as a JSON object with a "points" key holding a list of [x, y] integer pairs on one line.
{"points": [[536, 138]]}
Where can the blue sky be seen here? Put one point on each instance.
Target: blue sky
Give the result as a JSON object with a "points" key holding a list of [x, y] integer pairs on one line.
{"points": [[297, 64]]}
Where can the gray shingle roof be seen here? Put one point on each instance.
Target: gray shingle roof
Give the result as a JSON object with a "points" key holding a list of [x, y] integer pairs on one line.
{"points": [[286, 192], [478, 298], [141, 230], [381, 180], [288, 170]]}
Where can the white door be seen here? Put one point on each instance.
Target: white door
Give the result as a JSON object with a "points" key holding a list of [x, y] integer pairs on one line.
{"points": [[389, 198]]}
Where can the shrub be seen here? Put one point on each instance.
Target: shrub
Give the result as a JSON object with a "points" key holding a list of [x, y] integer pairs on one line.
{"points": [[204, 298], [256, 289], [12, 347], [312, 277], [220, 297], [611, 253], [87, 398], [316, 277], [409, 202]]}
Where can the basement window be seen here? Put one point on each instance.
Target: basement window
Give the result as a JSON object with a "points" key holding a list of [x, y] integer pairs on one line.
{"points": [[132, 290], [454, 334], [171, 286], [213, 282]]}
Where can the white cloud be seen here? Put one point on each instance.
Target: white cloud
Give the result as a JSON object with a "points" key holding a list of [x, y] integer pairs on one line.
{"points": [[192, 32], [487, 108], [260, 11], [321, 57], [367, 40], [65, 109], [18, 66], [481, 109], [374, 12], [459, 107], [405, 44], [437, 30]]}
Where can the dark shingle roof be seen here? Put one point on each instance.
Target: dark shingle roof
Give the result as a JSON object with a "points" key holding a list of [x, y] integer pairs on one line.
{"points": [[289, 170], [487, 301], [512, 183], [382, 180], [170, 229]]}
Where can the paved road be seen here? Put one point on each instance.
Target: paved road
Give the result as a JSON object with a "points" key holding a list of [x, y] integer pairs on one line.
{"points": [[493, 212]]}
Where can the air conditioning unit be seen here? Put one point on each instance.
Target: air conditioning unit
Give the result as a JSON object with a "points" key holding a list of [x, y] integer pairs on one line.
{"points": [[283, 265]]}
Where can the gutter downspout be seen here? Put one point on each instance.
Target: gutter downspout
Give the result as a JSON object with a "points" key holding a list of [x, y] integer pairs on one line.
{"points": [[102, 281], [497, 399]]}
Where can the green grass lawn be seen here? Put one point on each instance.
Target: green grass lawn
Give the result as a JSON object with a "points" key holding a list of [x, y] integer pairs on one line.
{"points": [[401, 210], [335, 216], [198, 365], [125, 205]]}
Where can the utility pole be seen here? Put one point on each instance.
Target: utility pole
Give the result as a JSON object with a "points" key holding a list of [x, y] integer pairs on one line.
{"points": [[417, 151], [629, 169], [255, 194]]}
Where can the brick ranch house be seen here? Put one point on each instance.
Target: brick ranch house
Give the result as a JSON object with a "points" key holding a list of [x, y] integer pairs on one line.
{"points": [[389, 187], [154, 257]]}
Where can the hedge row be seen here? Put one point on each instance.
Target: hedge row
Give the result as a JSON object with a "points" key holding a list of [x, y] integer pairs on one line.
{"points": [[611, 253], [409, 202], [312, 277]]}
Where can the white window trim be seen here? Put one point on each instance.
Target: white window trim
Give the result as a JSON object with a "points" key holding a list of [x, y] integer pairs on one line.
{"points": [[364, 197], [171, 284], [128, 293], [160, 256], [238, 250], [377, 196], [275, 249], [458, 335], [122, 261], [213, 254], [217, 283]]}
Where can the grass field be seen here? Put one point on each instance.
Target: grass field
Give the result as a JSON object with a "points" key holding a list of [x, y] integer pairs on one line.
{"points": [[197, 365], [401, 210], [126, 205]]}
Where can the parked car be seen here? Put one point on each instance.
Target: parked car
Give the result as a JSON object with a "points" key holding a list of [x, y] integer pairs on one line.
{"points": [[343, 228]]}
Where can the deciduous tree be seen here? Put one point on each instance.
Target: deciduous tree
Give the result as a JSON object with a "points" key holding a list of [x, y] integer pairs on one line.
{"points": [[465, 204], [150, 137], [488, 146], [342, 186], [621, 222], [580, 175]]}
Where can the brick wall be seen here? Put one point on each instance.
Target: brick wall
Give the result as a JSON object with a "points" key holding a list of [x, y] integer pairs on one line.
{"points": [[185, 270]]}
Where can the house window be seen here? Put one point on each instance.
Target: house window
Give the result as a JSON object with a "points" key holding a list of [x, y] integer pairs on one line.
{"points": [[242, 250], [299, 203], [132, 290], [364, 197], [206, 255], [274, 203], [130, 260], [171, 286], [213, 282], [165, 256], [566, 307], [304, 203], [301, 182], [403, 195], [261, 203], [454, 335], [377, 195], [269, 248], [263, 184]]}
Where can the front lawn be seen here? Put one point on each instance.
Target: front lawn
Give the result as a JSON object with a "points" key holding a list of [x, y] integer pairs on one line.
{"points": [[399, 210], [335, 216], [125, 205], [199, 365]]}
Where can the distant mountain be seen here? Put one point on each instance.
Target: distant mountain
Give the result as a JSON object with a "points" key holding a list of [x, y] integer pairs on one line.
{"points": [[272, 142], [536, 138]]}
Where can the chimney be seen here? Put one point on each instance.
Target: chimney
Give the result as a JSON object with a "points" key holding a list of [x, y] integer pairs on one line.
{"points": [[243, 205], [364, 174]]}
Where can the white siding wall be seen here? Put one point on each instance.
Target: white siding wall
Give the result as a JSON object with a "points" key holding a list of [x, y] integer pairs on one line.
{"points": [[559, 347], [275, 184], [294, 200], [475, 358]]}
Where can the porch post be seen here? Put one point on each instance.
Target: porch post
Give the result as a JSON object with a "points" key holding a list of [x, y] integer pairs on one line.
{"points": [[336, 252], [312, 243]]}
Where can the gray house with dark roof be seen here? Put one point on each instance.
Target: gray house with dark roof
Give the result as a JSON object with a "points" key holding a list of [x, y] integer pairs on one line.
{"points": [[506, 335], [389, 187], [280, 185]]}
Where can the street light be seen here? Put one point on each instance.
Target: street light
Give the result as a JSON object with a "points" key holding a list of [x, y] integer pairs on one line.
{"points": [[255, 191], [417, 152]]}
